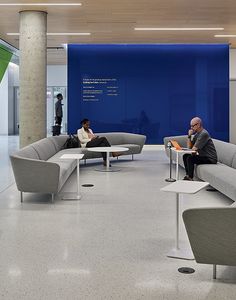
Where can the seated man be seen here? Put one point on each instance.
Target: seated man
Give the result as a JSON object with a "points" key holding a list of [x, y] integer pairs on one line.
{"points": [[200, 141], [88, 139]]}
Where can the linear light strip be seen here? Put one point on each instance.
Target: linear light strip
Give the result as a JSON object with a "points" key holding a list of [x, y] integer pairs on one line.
{"points": [[68, 33], [225, 35], [177, 29], [40, 4], [56, 33]]}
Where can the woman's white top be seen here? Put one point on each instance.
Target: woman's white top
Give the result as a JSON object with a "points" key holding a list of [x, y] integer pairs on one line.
{"points": [[83, 136]]}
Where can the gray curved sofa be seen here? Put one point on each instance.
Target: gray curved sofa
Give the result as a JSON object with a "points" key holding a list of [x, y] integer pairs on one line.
{"points": [[38, 167], [221, 176], [211, 230]]}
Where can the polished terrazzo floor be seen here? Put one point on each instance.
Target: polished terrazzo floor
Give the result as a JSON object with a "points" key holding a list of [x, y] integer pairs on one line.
{"points": [[111, 244]]}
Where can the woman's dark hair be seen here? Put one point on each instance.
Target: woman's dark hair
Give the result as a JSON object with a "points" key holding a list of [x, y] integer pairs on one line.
{"points": [[84, 121]]}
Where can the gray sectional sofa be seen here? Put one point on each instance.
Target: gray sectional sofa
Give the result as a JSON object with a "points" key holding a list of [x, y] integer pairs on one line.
{"points": [[211, 230], [221, 176], [38, 167]]}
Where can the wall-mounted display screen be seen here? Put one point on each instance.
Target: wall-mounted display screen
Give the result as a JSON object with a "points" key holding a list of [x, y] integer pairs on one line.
{"points": [[149, 89]]}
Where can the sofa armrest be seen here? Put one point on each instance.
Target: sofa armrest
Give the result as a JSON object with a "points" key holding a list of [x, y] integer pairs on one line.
{"points": [[136, 139], [212, 234], [33, 175]]}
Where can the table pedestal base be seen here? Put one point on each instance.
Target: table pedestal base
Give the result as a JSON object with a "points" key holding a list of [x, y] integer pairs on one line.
{"points": [[181, 254], [105, 169], [71, 196]]}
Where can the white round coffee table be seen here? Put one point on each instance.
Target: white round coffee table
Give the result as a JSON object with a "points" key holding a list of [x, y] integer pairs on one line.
{"points": [[108, 150]]}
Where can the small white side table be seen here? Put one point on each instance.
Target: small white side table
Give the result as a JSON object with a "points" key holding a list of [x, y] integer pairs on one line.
{"points": [[108, 150], [78, 157], [177, 159], [182, 187]]}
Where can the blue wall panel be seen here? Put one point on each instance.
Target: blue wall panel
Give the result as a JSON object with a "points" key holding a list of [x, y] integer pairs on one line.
{"points": [[149, 89]]}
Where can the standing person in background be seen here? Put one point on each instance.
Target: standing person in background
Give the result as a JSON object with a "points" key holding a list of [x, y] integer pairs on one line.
{"points": [[200, 141], [58, 110], [88, 139]]}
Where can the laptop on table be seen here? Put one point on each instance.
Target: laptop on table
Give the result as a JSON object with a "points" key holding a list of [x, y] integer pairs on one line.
{"points": [[177, 146]]}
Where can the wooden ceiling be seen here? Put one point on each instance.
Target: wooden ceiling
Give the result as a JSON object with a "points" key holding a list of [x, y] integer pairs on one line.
{"points": [[113, 21]]}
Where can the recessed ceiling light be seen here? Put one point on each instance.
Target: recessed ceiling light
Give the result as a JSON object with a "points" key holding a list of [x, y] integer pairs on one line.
{"points": [[40, 4], [225, 35], [177, 29], [56, 33]]}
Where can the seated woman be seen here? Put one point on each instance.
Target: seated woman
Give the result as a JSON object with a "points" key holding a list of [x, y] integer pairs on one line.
{"points": [[88, 139]]}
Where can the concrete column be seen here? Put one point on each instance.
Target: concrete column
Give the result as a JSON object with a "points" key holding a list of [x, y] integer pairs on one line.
{"points": [[32, 76]]}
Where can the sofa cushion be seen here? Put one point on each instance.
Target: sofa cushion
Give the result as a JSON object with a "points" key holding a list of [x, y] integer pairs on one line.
{"points": [[225, 152], [234, 162], [45, 148], [28, 152], [220, 176], [59, 141], [114, 138]]}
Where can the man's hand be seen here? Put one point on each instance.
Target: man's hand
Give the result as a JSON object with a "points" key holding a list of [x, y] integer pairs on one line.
{"points": [[194, 149], [190, 132], [94, 137]]}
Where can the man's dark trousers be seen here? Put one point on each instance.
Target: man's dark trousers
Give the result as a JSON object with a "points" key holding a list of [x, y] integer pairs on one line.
{"points": [[58, 120], [192, 159]]}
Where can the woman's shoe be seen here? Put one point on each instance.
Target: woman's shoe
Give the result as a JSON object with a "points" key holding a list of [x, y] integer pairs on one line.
{"points": [[115, 154]]}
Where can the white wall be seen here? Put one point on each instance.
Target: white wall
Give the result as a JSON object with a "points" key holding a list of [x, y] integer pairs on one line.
{"points": [[232, 114], [57, 75], [232, 64], [4, 105]]}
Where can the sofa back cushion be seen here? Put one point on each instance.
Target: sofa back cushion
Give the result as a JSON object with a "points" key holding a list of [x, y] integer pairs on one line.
{"points": [[114, 138], [225, 152], [58, 141], [234, 162], [27, 152], [120, 138], [45, 148], [181, 139]]}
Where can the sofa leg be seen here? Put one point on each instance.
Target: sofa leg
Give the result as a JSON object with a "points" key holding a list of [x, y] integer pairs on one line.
{"points": [[214, 271], [21, 197], [53, 197]]}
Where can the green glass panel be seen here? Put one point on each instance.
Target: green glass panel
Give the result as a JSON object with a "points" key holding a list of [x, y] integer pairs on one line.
{"points": [[5, 57]]}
